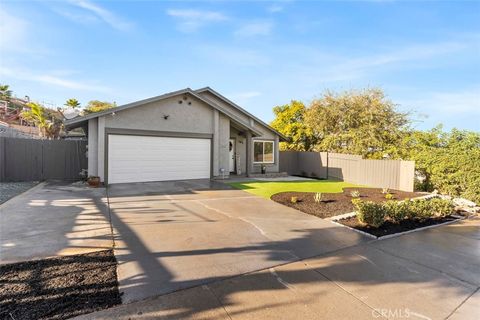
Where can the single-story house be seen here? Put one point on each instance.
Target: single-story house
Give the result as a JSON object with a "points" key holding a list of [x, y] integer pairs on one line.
{"points": [[186, 134]]}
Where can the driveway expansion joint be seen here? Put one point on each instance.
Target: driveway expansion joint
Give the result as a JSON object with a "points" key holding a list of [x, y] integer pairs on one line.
{"points": [[464, 283], [462, 303]]}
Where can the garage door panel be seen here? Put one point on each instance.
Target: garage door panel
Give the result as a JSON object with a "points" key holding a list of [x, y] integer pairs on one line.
{"points": [[145, 158]]}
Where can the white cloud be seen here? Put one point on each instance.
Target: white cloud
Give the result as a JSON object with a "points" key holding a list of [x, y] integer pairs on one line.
{"points": [[50, 79], [103, 14], [190, 20], [259, 28], [275, 8], [347, 68], [78, 17]]}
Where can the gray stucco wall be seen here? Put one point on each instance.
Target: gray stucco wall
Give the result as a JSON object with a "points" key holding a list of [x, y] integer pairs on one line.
{"points": [[223, 143], [196, 117], [101, 148], [92, 147]]}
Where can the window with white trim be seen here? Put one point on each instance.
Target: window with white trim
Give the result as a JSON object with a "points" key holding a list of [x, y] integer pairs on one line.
{"points": [[263, 152]]}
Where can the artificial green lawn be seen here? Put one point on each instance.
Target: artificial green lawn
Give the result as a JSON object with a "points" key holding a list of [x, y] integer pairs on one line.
{"points": [[268, 188]]}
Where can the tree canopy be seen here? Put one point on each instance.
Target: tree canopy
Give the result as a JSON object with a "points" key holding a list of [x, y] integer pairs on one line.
{"points": [[290, 121], [359, 122], [97, 106]]}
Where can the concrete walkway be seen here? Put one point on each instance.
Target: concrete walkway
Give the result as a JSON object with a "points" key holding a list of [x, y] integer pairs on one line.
{"points": [[177, 235], [431, 274], [54, 219]]}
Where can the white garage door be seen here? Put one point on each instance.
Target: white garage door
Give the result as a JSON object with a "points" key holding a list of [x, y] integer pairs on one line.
{"points": [[144, 158]]}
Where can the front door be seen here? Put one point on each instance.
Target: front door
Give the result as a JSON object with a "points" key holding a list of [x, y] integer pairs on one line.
{"points": [[231, 149]]}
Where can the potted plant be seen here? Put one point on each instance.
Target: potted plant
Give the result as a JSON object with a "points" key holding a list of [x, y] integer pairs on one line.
{"points": [[93, 181], [264, 169]]}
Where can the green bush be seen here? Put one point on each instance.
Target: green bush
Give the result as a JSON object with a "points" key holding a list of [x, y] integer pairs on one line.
{"points": [[420, 209], [375, 214], [441, 207], [370, 213], [447, 160], [397, 211]]}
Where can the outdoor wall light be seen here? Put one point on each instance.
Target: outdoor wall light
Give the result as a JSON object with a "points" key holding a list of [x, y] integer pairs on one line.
{"points": [[165, 116]]}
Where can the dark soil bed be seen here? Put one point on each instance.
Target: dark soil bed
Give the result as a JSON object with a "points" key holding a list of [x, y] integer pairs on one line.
{"points": [[390, 228], [334, 204], [58, 288]]}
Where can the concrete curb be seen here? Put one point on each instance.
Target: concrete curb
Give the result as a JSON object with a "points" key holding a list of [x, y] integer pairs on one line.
{"points": [[21, 195], [457, 219]]}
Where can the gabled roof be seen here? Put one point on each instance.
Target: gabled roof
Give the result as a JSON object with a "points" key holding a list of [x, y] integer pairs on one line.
{"points": [[236, 106], [79, 121]]}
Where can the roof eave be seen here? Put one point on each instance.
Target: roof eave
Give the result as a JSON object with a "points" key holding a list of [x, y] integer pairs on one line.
{"points": [[218, 95]]}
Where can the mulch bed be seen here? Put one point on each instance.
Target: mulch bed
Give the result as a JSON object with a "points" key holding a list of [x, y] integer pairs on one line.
{"points": [[391, 228], [334, 204], [59, 288]]}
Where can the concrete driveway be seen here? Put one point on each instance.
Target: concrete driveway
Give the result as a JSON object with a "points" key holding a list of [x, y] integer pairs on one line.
{"points": [[175, 235], [54, 219], [430, 274]]}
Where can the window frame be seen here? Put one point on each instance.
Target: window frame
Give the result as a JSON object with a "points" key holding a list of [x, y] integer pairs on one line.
{"points": [[263, 152]]}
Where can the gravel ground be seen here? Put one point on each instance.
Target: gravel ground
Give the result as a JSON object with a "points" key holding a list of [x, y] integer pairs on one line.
{"points": [[58, 288], [12, 189]]}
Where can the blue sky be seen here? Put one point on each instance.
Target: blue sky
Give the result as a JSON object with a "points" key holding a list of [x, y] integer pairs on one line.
{"points": [[424, 54]]}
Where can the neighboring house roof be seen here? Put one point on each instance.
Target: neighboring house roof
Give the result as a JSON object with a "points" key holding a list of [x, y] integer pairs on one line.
{"points": [[79, 121]]}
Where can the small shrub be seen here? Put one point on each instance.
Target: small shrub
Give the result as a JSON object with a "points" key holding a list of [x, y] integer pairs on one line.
{"points": [[420, 209], [318, 197], [389, 196], [294, 199], [370, 213], [355, 194], [397, 211], [441, 207], [385, 191]]}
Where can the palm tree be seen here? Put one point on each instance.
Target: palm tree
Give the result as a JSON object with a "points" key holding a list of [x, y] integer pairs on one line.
{"points": [[36, 113], [72, 103], [5, 92]]}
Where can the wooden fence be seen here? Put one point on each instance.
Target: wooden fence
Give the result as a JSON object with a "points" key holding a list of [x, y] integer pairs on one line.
{"points": [[35, 160], [393, 174]]}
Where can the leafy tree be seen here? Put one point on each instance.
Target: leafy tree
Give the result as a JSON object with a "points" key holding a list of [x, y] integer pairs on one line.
{"points": [[72, 103], [290, 121], [448, 161], [97, 106], [359, 122]]}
